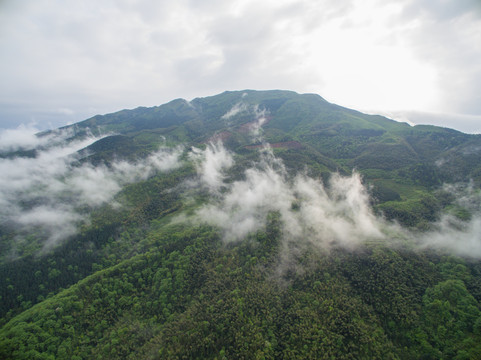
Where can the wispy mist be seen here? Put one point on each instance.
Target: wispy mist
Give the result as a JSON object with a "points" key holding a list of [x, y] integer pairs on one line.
{"points": [[258, 114], [455, 236], [25, 137], [236, 109], [451, 233], [46, 193], [211, 164], [256, 126], [325, 215], [337, 213], [51, 192]]}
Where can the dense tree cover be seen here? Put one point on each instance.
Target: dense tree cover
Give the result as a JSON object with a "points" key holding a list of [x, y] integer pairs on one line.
{"points": [[190, 296], [112, 235], [135, 284]]}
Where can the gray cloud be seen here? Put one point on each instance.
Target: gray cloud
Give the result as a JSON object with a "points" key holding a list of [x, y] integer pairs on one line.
{"points": [[442, 11], [447, 35], [65, 62], [470, 124]]}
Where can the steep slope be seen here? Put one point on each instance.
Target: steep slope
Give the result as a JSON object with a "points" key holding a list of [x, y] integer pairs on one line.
{"points": [[249, 224], [350, 137], [400, 162]]}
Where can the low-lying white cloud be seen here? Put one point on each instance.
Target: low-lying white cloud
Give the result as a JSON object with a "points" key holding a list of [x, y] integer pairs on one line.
{"points": [[323, 215], [56, 221], [25, 137], [21, 137], [455, 236], [211, 164], [47, 192], [95, 185], [260, 119], [452, 234], [339, 213], [91, 185], [246, 204]]}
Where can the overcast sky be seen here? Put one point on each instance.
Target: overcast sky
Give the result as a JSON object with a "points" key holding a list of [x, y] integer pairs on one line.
{"points": [[64, 61]]}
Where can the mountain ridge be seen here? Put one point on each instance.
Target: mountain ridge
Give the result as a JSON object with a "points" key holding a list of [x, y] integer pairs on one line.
{"points": [[249, 224], [338, 133]]}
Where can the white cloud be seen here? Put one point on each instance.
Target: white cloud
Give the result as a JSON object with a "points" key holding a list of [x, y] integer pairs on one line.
{"points": [[211, 164], [236, 109], [454, 236], [92, 186], [244, 207], [339, 214], [25, 137], [58, 222], [21, 137], [323, 216], [48, 191]]}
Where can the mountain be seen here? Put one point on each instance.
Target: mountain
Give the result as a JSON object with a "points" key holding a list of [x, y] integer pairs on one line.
{"points": [[250, 224]]}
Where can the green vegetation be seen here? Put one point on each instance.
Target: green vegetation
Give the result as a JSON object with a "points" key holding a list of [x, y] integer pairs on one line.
{"points": [[189, 296], [138, 282]]}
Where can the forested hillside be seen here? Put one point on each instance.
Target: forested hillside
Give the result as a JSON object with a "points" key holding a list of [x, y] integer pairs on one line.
{"points": [[250, 225]]}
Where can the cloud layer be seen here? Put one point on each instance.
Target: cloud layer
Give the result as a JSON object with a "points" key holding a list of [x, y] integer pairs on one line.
{"points": [[65, 62]]}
